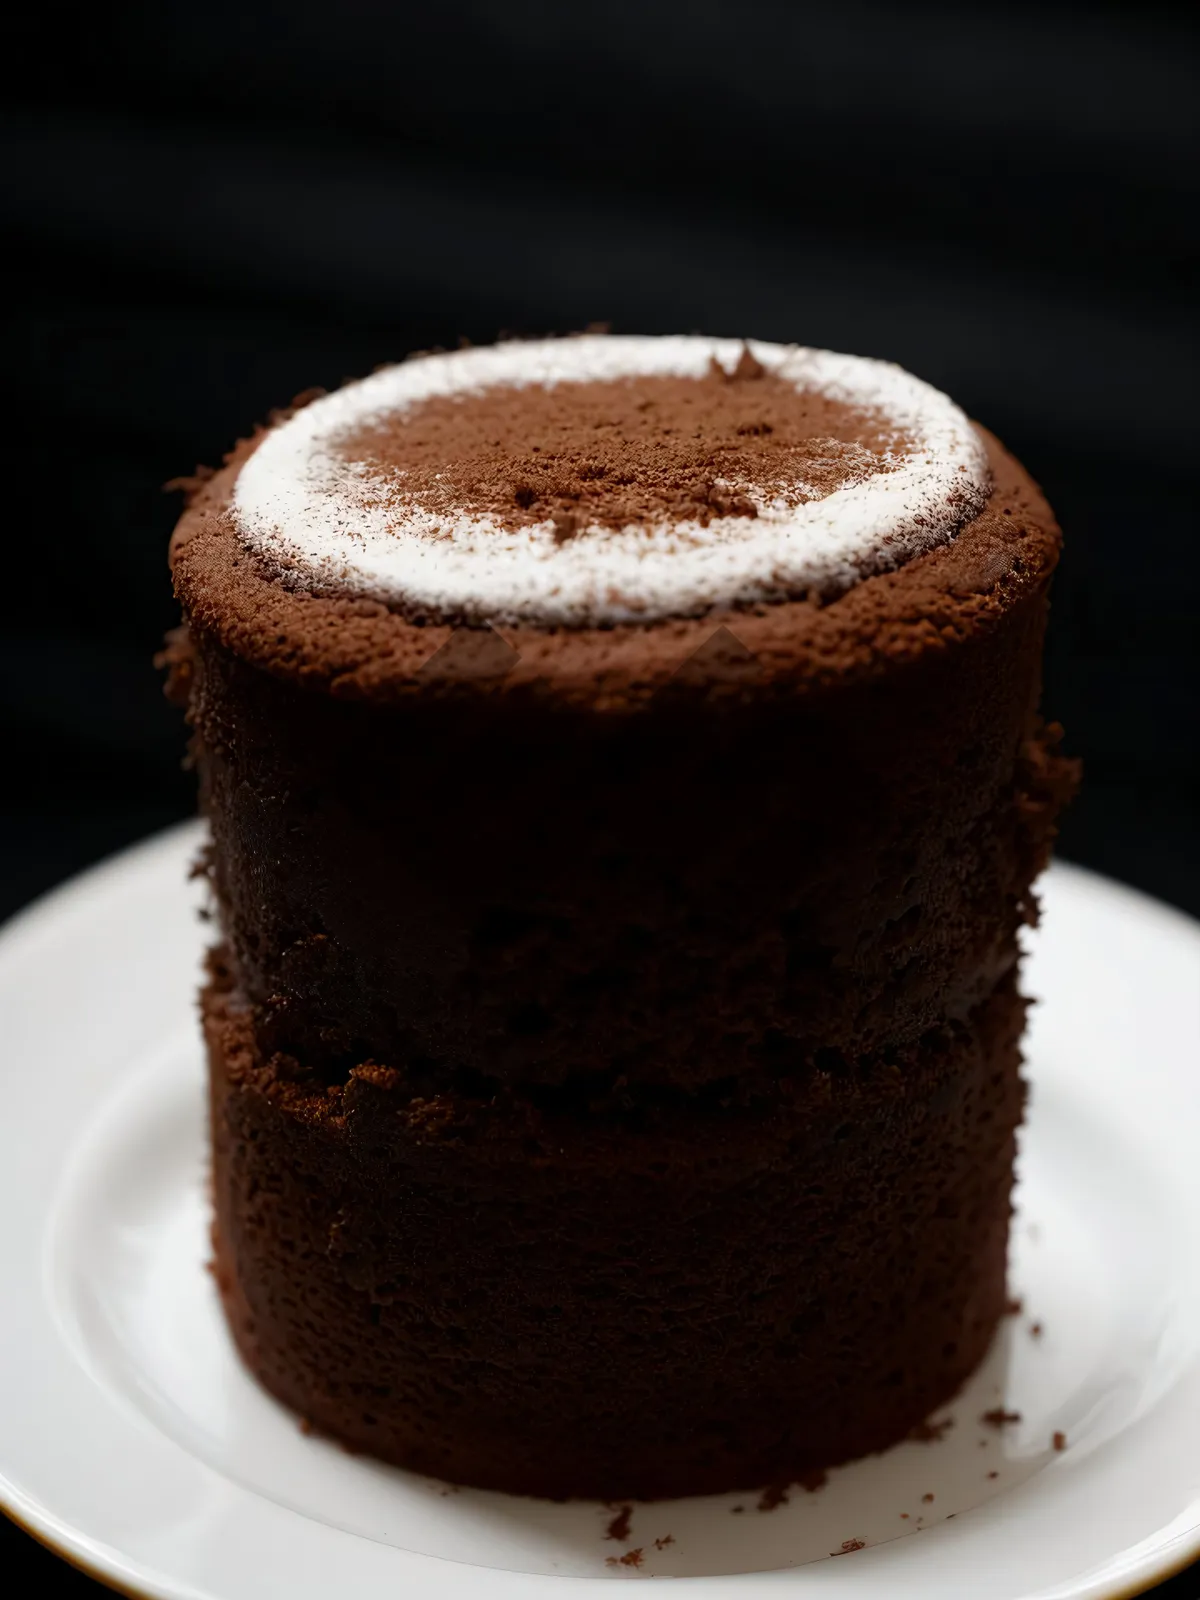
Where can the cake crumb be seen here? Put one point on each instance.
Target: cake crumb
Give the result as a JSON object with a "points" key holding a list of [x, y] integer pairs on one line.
{"points": [[993, 1474], [631, 1558], [848, 1546], [904, 1516], [930, 1432], [1013, 1306], [775, 1494], [1059, 1441], [618, 1528], [306, 1426], [1035, 1330], [998, 1417], [736, 1511], [747, 368], [667, 1538], [927, 1499]]}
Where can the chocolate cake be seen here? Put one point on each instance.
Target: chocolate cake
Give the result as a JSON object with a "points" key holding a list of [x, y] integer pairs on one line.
{"points": [[626, 783]]}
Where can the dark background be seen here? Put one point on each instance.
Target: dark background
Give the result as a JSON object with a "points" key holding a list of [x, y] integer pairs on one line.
{"points": [[211, 207]]}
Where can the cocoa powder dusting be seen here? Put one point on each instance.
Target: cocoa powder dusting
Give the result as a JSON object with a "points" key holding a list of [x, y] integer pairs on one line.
{"points": [[632, 451]]}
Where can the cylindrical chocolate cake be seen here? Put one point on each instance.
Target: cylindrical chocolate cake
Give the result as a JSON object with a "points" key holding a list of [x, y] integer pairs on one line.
{"points": [[626, 782]]}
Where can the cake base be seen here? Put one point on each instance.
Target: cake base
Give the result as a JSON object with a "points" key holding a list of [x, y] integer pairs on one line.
{"points": [[686, 1296]]}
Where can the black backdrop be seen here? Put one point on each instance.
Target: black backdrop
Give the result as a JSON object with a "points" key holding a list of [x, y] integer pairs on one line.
{"points": [[211, 207]]}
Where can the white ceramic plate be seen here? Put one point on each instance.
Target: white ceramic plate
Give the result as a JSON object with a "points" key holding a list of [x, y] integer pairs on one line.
{"points": [[131, 1439]]}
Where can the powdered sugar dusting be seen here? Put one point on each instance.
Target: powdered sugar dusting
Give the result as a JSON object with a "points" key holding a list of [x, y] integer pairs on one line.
{"points": [[330, 524]]}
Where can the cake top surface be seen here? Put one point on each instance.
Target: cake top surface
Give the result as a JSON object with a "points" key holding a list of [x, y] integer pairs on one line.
{"points": [[595, 518], [598, 480]]}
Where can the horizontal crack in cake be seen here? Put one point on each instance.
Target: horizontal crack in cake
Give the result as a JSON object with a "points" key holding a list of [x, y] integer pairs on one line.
{"points": [[626, 782]]}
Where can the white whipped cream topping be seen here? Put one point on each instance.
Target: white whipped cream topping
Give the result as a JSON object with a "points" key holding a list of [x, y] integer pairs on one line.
{"points": [[322, 521]]}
